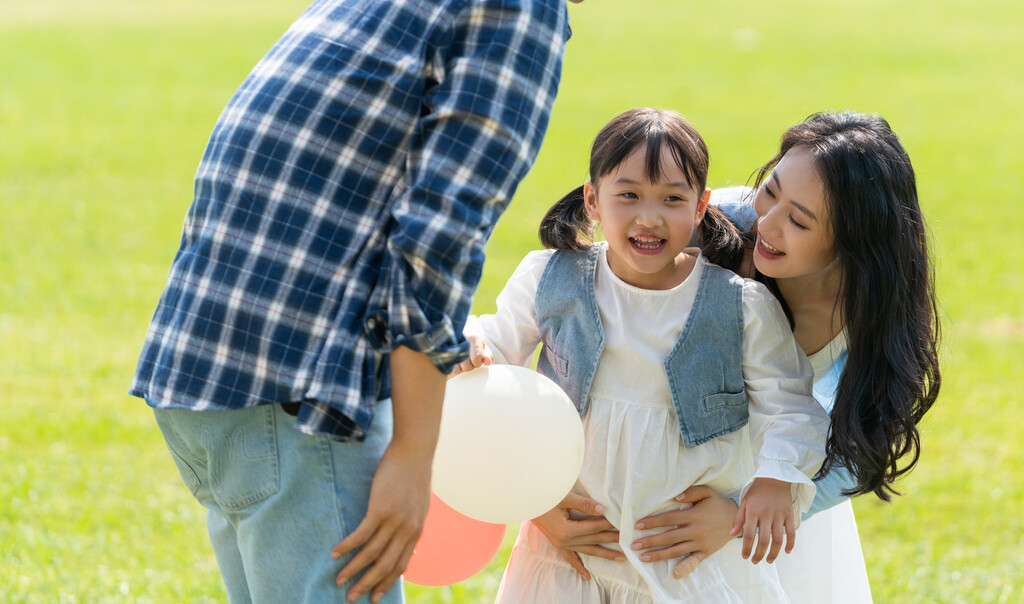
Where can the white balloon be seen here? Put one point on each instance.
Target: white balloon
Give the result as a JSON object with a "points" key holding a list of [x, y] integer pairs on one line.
{"points": [[510, 447]]}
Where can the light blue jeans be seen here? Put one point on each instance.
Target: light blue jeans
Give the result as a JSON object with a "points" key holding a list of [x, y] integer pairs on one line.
{"points": [[277, 500]]}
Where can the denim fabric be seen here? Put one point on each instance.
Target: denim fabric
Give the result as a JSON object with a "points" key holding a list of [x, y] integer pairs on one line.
{"points": [[738, 205], [277, 500], [704, 369]]}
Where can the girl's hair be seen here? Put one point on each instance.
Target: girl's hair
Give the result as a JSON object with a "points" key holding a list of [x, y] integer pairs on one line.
{"points": [[886, 299], [567, 225]]}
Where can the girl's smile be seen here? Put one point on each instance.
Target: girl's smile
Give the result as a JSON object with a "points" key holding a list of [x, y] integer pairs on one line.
{"points": [[646, 244], [647, 224]]}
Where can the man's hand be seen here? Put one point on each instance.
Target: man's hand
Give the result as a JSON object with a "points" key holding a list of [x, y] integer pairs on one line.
{"points": [[400, 493], [574, 537], [767, 511], [399, 498]]}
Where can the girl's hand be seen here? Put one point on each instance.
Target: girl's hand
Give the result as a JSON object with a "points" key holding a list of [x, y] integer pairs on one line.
{"points": [[574, 537], [767, 510], [695, 533], [479, 355]]}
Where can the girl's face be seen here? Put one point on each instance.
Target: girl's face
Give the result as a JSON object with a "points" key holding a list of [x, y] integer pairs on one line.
{"points": [[647, 224], [794, 235]]}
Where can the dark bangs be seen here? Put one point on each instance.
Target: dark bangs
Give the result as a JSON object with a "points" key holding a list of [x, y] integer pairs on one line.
{"points": [[656, 130]]}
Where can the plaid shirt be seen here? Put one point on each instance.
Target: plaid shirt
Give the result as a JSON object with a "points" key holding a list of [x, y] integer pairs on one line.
{"points": [[343, 202]]}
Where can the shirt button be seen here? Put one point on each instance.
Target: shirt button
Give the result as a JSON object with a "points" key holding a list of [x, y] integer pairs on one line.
{"points": [[375, 327]]}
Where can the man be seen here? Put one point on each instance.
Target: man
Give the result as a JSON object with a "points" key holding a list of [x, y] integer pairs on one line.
{"points": [[326, 268]]}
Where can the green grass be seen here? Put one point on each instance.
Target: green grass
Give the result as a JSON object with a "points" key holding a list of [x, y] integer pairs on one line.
{"points": [[105, 107]]}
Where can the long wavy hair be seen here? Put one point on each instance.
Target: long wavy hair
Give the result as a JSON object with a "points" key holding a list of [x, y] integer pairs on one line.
{"points": [[886, 299], [567, 225]]}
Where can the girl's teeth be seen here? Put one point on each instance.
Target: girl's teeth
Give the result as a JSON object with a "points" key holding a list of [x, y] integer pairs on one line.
{"points": [[648, 244]]}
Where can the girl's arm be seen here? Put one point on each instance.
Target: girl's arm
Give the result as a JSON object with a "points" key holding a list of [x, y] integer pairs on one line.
{"points": [[787, 425], [704, 528], [511, 334]]}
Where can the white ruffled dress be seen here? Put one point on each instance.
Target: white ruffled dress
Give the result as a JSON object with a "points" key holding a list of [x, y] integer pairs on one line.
{"points": [[635, 462]]}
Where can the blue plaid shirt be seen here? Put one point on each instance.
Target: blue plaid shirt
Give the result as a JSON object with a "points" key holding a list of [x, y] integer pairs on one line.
{"points": [[343, 202]]}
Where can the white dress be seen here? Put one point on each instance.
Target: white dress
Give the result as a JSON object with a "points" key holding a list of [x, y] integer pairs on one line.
{"points": [[827, 564], [635, 462]]}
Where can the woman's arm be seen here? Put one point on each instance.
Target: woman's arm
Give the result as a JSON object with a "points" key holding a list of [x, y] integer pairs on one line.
{"points": [[830, 490], [701, 530]]}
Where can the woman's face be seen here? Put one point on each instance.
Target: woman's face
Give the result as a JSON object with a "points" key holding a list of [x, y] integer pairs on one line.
{"points": [[794, 235]]}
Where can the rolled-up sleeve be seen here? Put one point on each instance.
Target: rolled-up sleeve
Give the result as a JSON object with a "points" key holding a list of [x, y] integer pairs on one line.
{"points": [[482, 125]]}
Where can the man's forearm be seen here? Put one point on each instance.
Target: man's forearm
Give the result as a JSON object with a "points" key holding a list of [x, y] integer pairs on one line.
{"points": [[417, 392]]}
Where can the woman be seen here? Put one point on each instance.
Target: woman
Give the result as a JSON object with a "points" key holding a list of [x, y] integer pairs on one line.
{"points": [[840, 240]]}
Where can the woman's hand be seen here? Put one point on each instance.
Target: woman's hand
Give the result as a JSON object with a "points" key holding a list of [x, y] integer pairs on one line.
{"points": [[694, 534], [479, 355], [574, 537]]}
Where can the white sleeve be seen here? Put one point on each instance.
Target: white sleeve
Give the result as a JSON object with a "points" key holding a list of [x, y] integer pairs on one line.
{"points": [[787, 425], [511, 332]]}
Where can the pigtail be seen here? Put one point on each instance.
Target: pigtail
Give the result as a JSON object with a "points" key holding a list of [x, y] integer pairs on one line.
{"points": [[719, 239], [567, 226]]}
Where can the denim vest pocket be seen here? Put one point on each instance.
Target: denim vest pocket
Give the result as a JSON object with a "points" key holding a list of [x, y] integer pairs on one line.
{"points": [[724, 401], [243, 462], [559, 364], [722, 413]]}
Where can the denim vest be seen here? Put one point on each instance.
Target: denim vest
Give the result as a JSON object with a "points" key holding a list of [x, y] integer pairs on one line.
{"points": [[704, 368]]}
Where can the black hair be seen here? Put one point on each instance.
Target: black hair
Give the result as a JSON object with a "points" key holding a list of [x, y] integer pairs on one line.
{"points": [[567, 225], [886, 300]]}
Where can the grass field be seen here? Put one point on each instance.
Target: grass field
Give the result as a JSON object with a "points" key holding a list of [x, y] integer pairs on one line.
{"points": [[105, 107]]}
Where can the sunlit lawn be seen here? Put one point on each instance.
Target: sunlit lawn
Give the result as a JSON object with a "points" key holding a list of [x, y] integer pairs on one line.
{"points": [[105, 107]]}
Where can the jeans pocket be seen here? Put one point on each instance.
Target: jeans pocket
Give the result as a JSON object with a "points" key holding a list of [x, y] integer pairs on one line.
{"points": [[179, 451], [243, 460], [188, 475]]}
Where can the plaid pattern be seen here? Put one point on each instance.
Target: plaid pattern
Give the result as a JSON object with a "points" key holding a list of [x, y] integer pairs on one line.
{"points": [[343, 202]]}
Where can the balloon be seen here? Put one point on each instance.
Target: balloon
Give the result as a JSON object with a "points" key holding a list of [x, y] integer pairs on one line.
{"points": [[452, 547], [510, 446]]}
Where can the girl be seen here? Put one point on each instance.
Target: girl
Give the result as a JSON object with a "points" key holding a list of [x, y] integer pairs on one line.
{"points": [[666, 356], [838, 233]]}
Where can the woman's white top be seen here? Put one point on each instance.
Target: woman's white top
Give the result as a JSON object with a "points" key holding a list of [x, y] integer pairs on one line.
{"points": [[635, 462], [828, 562]]}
